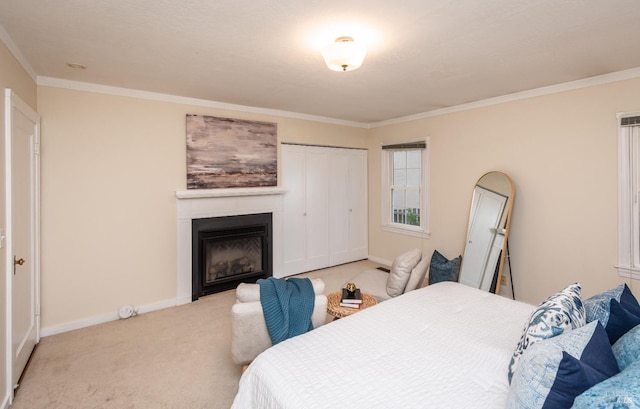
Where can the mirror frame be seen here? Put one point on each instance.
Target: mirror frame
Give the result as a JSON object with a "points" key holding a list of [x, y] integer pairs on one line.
{"points": [[507, 226]]}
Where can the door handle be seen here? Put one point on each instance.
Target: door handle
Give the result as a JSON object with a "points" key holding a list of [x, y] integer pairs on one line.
{"points": [[17, 262]]}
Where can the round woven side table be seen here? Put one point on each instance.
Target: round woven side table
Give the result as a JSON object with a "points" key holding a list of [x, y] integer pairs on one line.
{"points": [[334, 309]]}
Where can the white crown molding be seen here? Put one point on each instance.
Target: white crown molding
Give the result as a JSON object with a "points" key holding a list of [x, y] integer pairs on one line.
{"points": [[154, 96], [13, 48], [631, 73]]}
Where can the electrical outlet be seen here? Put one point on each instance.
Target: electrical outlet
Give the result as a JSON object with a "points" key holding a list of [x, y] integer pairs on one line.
{"points": [[503, 280]]}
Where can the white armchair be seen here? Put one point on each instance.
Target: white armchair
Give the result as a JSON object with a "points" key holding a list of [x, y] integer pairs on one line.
{"points": [[407, 273], [249, 335]]}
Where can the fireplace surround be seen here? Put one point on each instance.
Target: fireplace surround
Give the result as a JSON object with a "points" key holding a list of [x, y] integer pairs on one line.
{"points": [[202, 204]]}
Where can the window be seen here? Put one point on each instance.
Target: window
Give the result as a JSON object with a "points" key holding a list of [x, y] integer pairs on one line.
{"points": [[628, 191], [404, 189]]}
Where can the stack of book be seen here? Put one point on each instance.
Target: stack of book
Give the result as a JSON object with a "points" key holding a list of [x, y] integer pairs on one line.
{"points": [[351, 299]]}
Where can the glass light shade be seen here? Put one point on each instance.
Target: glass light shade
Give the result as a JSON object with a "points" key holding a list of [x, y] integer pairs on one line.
{"points": [[344, 55]]}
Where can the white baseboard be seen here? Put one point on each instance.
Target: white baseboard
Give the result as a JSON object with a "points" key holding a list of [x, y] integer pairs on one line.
{"points": [[5, 402], [88, 322], [380, 261], [183, 300]]}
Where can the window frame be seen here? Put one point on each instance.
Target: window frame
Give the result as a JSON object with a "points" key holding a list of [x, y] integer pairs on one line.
{"points": [[387, 183], [628, 194]]}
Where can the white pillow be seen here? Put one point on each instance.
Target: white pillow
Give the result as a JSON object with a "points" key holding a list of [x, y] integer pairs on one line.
{"points": [[417, 275], [400, 271]]}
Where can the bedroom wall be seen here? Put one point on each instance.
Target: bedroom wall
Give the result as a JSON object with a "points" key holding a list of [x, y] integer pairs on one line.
{"points": [[110, 167], [561, 152], [13, 76]]}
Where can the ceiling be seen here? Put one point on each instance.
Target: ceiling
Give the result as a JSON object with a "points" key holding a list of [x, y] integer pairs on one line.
{"points": [[423, 55]]}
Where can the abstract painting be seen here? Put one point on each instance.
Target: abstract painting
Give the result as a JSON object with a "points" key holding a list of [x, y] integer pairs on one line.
{"points": [[225, 152]]}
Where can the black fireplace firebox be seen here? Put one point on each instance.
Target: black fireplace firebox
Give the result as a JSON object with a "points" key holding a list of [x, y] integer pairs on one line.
{"points": [[227, 251]]}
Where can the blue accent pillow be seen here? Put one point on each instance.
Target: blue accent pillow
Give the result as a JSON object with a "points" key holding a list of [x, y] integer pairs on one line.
{"points": [[443, 269], [598, 306], [562, 311], [621, 391], [553, 372], [621, 320], [627, 348]]}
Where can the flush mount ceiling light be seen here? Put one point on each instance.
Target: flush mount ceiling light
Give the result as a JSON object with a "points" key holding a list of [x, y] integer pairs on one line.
{"points": [[344, 55]]}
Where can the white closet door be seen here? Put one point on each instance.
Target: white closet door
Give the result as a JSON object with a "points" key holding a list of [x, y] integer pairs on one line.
{"points": [[339, 217], [325, 207], [317, 212], [293, 178], [358, 206]]}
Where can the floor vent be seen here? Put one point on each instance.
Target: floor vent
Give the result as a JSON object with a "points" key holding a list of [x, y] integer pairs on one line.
{"points": [[383, 269]]}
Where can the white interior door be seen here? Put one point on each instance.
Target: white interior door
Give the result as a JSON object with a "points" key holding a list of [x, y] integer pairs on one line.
{"points": [[358, 205], [22, 184], [485, 218], [293, 178], [316, 205], [338, 206]]}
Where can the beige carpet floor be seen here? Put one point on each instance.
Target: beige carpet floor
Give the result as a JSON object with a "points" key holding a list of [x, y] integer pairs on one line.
{"points": [[174, 358]]}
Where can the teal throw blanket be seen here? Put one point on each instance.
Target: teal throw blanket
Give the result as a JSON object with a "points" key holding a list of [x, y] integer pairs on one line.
{"points": [[287, 306]]}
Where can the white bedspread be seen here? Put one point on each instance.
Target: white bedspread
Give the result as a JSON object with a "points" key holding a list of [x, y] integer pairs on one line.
{"points": [[442, 346]]}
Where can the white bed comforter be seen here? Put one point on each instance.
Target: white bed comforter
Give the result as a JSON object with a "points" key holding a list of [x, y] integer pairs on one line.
{"points": [[443, 346]]}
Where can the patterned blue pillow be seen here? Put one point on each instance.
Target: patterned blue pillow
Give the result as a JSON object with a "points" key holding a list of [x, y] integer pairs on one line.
{"points": [[627, 348], [553, 372], [598, 306], [621, 391], [560, 312]]}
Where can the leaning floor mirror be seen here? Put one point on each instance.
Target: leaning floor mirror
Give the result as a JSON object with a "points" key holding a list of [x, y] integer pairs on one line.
{"points": [[487, 232]]}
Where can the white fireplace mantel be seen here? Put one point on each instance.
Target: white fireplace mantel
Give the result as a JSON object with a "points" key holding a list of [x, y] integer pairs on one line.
{"points": [[198, 204], [241, 191]]}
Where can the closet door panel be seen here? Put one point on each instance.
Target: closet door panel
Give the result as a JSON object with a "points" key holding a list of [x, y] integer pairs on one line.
{"points": [[293, 178], [339, 207], [317, 213], [358, 237]]}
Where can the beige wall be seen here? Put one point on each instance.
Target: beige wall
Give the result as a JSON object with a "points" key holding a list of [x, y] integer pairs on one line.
{"points": [[13, 76], [110, 167], [561, 152]]}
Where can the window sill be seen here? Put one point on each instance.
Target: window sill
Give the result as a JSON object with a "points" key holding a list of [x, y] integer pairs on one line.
{"points": [[628, 272], [406, 231]]}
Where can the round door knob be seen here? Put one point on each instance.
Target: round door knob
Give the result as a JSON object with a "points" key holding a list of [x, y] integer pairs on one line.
{"points": [[18, 262]]}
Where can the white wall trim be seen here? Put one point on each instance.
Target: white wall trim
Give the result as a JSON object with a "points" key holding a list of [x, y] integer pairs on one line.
{"points": [[5, 402], [154, 96], [631, 73], [516, 96], [101, 319], [6, 39]]}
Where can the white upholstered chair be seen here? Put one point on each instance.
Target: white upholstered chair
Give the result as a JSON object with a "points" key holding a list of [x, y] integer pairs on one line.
{"points": [[407, 273], [249, 335]]}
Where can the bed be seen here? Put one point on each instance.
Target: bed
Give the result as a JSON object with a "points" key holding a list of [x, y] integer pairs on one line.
{"points": [[443, 346]]}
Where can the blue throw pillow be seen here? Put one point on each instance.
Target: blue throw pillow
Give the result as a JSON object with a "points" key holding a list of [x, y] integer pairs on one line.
{"points": [[554, 371], [560, 312], [621, 391], [621, 320], [443, 269], [597, 307], [617, 310], [627, 348]]}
